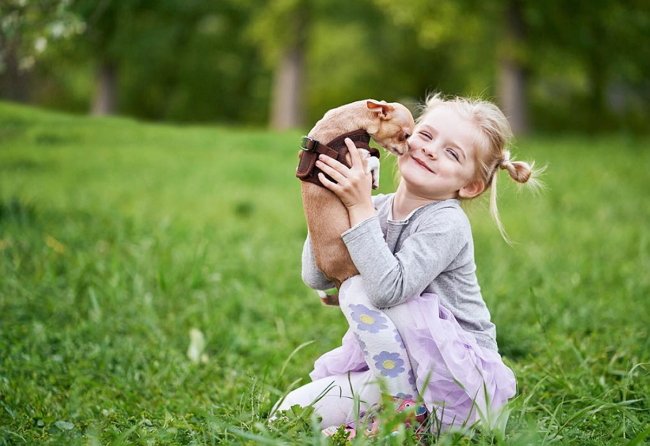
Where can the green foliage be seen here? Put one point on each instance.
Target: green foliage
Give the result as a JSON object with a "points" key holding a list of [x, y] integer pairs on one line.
{"points": [[117, 238], [28, 26], [585, 56], [175, 60], [178, 60], [272, 40]]}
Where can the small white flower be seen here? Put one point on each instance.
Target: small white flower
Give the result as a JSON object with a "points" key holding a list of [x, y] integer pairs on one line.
{"points": [[64, 425], [197, 345]]}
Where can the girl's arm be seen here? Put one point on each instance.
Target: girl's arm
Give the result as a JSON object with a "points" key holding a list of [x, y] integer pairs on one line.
{"points": [[311, 275], [389, 278]]}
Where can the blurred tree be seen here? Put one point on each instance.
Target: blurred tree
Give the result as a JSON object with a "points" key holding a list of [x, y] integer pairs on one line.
{"points": [[172, 59], [358, 51], [483, 35], [546, 47], [600, 43], [577, 65], [214, 73], [343, 50], [27, 28], [107, 22], [280, 29], [513, 66]]}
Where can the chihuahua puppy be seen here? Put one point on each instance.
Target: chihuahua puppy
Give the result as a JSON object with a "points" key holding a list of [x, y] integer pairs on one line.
{"points": [[389, 124]]}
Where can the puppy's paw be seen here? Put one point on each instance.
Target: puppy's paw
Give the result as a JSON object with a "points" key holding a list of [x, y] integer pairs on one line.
{"points": [[373, 168], [331, 300]]}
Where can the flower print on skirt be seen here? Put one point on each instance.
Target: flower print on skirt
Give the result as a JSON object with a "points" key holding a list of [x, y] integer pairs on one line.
{"points": [[460, 381]]}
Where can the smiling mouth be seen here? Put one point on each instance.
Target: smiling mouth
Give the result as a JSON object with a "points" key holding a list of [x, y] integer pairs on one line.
{"points": [[421, 163]]}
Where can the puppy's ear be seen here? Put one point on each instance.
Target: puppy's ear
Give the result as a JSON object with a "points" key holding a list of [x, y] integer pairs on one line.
{"points": [[380, 108]]}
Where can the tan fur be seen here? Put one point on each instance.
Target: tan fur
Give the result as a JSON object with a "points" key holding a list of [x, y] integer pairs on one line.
{"points": [[389, 124]]}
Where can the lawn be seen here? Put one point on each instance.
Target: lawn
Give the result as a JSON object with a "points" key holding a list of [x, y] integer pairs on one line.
{"points": [[117, 238]]}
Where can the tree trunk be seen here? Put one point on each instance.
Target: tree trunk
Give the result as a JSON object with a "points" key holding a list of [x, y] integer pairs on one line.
{"points": [[287, 110], [512, 72], [286, 101], [105, 100], [14, 82], [597, 65]]}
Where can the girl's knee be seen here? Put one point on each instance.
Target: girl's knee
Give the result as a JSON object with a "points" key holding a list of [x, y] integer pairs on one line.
{"points": [[291, 399], [305, 395], [352, 291]]}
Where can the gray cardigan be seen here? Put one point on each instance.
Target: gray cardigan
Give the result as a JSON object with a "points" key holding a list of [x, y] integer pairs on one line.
{"points": [[431, 250]]}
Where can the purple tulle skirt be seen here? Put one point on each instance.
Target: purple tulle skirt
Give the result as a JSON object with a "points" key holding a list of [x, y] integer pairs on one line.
{"points": [[460, 381]]}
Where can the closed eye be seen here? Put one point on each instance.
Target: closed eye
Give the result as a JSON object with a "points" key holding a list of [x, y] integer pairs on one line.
{"points": [[453, 153], [425, 135]]}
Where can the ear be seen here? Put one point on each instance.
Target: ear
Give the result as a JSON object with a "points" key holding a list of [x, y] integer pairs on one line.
{"points": [[472, 189], [381, 108]]}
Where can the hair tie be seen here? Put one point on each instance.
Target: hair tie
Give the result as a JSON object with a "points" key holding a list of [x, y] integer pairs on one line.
{"points": [[505, 160]]}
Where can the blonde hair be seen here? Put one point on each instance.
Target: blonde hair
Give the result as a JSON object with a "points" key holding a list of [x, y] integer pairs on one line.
{"points": [[492, 152]]}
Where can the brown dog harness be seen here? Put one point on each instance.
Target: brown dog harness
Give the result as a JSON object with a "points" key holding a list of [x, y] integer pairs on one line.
{"points": [[310, 149]]}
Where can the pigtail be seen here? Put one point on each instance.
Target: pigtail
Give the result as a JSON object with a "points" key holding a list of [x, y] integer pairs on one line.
{"points": [[518, 170], [493, 154], [521, 171]]}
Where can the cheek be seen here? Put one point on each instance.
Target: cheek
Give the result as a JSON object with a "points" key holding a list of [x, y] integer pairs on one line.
{"points": [[404, 164], [412, 169], [470, 172], [412, 144]]}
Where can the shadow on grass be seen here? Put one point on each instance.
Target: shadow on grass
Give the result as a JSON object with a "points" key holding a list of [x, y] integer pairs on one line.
{"points": [[17, 211]]}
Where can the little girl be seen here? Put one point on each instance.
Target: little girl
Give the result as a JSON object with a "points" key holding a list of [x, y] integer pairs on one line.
{"points": [[415, 255]]}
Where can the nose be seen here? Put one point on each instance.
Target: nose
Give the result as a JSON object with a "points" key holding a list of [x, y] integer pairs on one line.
{"points": [[429, 152]]}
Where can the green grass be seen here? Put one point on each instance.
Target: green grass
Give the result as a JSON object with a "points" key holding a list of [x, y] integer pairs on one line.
{"points": [[117, 238]]}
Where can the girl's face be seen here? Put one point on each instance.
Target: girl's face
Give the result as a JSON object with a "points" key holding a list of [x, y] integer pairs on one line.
{"points": [[441, 160]]}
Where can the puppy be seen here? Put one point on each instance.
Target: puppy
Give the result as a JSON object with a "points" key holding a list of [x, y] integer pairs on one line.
{"points": [[389, 124]]}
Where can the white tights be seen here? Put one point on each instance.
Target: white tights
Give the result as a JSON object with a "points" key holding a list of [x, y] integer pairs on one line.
{"points": [[339, 398]]}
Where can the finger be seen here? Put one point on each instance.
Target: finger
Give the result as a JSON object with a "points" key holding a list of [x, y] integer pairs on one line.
{"points": [[335, 174], [354, 153], [334, 164], [327, 183]]}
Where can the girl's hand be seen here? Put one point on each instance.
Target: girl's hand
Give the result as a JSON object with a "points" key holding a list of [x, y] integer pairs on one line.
{"points": [[352, 184]]}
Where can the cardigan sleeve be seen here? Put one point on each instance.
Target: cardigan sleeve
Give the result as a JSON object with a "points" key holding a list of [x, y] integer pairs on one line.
{"points": [[391, 278], [311, 275]]}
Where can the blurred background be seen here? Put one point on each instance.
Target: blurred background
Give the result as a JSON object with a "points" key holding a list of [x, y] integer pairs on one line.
{"points": [[119, 238], [551, 65]]}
